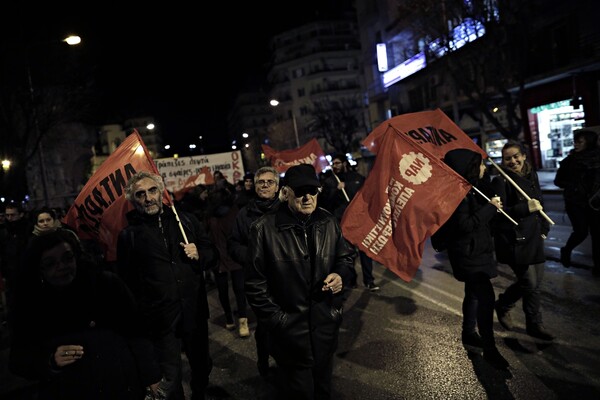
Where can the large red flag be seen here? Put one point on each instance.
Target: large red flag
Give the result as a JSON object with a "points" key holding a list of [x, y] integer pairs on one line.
{"points": [[310, 153], [98, 212], [407, 196], [432, 130]]}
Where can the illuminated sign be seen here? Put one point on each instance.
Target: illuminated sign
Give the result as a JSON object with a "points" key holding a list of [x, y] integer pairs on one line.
{"points": [[407, 68], [467, 31], [382, 61]]}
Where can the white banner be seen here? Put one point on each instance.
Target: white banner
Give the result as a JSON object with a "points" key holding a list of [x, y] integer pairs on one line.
{"points": [[175, 171]]}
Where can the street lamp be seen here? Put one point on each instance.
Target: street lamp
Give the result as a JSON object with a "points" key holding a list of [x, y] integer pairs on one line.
{"points": [[275, 103], [71, 40]]}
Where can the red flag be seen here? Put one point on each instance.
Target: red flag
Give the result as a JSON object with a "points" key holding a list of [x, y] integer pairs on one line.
{"points": [[310, 153], [98, 212], [432, 130], [407, 196], [205, 177]]}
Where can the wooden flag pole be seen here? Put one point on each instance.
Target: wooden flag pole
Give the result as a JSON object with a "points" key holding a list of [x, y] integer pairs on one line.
{"points": [[508, 178], [185, 239], [343, 189], [499, 209]]}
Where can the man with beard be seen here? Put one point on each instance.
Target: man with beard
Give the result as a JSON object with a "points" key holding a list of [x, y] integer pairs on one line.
{"points": [[163, 267]]}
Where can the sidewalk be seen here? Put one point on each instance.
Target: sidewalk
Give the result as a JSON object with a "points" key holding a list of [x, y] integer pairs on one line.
{"points": [[546, 178]]}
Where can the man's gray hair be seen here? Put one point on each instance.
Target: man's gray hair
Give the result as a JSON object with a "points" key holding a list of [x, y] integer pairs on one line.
{"points": [[129, 194], [265, 170]]}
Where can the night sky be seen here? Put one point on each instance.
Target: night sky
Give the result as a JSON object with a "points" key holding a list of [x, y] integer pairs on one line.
{"points": [[182, 65]]}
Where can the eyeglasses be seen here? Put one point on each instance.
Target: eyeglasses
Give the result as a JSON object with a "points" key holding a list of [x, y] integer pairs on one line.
{"points": [[51, 263], [304, 190], [140, 194], [267, 183], [513, 157]]}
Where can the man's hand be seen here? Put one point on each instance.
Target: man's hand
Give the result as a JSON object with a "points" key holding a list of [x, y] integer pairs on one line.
{"points": [[333, 282], [190, 250]]}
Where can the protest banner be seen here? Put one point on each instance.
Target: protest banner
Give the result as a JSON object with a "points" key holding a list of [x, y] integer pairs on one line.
{"points": [[180, 172]]}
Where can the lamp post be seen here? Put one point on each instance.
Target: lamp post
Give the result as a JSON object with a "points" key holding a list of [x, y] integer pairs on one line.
{"points": [[71, 41], [275, 103]]}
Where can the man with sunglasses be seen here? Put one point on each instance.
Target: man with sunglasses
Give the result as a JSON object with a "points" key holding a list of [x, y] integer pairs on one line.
{"points": [[298, 265]]}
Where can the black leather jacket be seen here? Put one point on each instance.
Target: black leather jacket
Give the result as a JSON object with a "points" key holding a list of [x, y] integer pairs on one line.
{"points": [[288, 263]]}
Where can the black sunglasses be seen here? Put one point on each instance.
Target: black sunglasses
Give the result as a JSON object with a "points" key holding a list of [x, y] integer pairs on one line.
{"points": [[304, 190]]}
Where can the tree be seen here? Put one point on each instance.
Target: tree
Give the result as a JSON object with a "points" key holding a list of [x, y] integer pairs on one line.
{"points": [[491, 70], [339, 122], [41, 89]]}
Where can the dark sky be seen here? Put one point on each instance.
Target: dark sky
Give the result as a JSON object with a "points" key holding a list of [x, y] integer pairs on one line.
{"points": [[182, 65]]}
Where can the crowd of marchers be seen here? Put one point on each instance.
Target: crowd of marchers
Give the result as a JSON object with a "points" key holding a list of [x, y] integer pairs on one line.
{"points": [[81, 327]]}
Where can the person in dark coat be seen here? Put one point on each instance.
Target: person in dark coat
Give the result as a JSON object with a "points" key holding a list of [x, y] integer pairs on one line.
{"points": [[298, 265], [76, 327], [245, 192], [222, 213], [266, 185], [163, 267], [13, 245], [471, 254], [338, 191], [579, 176], [521, 246]]}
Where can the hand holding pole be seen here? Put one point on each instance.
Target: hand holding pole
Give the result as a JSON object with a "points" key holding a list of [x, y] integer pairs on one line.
{"points": [[508, 178]]}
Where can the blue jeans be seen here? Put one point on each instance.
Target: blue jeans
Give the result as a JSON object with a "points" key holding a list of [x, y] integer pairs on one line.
{"points": [[527, 286]]}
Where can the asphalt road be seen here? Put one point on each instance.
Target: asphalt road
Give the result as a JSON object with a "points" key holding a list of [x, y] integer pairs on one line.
{"points": [[403, 342]]}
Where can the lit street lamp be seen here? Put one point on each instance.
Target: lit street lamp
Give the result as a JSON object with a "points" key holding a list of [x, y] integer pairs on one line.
{"points": [[71, 41], [275, 103]]}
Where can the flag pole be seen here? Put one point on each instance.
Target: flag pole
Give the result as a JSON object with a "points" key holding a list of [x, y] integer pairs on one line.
{"points": [[343, 189], [508, 178], [185, 239], [499, 209]]}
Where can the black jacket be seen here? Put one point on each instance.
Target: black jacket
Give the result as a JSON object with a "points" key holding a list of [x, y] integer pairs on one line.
{"points": [[237, 242], [96, 311], [334, 199], [468, 233], [288, 263], [522, 244], [579, 176], [165, 282], [470, 241]]}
